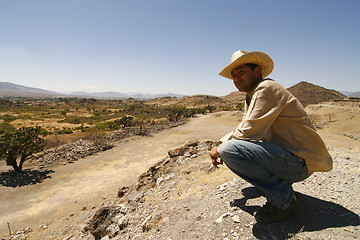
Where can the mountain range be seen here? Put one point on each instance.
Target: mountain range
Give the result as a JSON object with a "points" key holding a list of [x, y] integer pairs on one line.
{"points": [[351, 94], [10, 89], [307, 93]]}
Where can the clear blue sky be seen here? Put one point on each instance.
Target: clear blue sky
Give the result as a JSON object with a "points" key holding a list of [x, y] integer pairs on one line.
{"points": [[175, 46]]}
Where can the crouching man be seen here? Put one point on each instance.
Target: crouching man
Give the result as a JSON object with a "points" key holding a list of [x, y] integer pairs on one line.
{"points": [[275, 144]]}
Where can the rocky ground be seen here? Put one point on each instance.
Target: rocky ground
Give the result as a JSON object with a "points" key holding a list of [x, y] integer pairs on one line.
{"points": [[183, 197]]}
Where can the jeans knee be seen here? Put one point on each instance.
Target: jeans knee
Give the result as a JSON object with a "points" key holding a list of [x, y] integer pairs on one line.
{"points": [[229, 149], [226, 147]]}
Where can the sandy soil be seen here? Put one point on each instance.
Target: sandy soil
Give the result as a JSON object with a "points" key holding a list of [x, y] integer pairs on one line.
{"points": [[89, 181]]}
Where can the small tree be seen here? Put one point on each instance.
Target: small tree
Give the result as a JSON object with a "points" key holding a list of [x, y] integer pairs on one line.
{"points": [[21, 144], [140, 120], [125, 121]]}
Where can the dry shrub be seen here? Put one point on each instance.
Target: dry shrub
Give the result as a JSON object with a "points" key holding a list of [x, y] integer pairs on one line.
{"points": [[57, 140], [95, 134]]}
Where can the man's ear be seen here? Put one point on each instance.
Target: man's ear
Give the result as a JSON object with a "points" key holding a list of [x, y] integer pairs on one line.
{"points": [[258, 69]]}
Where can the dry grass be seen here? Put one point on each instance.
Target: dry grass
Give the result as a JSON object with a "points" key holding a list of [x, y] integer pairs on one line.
{"points": [[335, 120], [54, 141], [49, 124]]}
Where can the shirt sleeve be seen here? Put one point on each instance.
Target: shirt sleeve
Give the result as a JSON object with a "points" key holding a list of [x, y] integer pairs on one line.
{"points": [[265, 106]]}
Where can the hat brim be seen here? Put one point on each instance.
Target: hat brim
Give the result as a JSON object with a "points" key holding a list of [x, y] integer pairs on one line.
{"points": [[259, 58]]}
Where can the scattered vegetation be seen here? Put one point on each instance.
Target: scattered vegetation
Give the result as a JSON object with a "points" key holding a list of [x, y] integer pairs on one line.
{"points": [[63, 120], [68, 115]]}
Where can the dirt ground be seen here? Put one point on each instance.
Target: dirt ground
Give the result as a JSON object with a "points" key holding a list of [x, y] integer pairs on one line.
{"points": [[193, 199], [88, 182]]}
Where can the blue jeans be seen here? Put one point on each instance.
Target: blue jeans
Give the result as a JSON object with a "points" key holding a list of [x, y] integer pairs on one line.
{"points": [[268, 167]]}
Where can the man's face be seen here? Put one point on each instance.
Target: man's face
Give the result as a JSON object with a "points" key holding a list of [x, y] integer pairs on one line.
{"points": [[246, 79]]}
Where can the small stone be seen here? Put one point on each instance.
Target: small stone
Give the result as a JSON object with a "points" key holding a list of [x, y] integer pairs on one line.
{"points": [[105, 238], [236, 219], [68, 237], [137, 237], [135, 196], [123, 222], [159, 181], [211, 168], [122, 191], [146, 224], [222, 187], [220, 219]]}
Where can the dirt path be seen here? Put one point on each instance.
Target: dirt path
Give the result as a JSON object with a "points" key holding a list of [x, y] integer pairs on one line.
{"points": [[89, 181]]}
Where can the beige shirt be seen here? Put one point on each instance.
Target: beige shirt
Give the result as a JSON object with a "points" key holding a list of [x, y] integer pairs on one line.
{"points": [[274, 115]]}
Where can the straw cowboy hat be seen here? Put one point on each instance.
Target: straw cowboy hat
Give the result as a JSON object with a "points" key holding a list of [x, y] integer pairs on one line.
{"points": [[242, 57]]}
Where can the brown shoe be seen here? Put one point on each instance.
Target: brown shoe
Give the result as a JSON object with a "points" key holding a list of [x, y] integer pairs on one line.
{"points": [[270, 213]]}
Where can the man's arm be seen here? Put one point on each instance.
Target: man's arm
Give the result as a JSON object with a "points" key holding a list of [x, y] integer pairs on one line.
{"points": [[267, 103]]}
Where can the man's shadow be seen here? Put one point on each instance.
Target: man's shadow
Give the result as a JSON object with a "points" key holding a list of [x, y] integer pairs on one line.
{"points": [[26, 177], [313, 214]]}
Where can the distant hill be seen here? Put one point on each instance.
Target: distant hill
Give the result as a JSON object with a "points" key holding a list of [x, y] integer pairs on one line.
{"points": [[235, 97], [189, 101], [308, 93], [110, 95], [8, 89], [355, 94], [98, 94], [350, 94], [11, 89]]}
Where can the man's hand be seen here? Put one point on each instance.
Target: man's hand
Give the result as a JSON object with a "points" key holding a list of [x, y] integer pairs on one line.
{"points": [[214, 154]]}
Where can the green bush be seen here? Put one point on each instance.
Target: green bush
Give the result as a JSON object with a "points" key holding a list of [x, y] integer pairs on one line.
{"points": [[43, 132], [8, 118], [6, 127], [67, 130]]}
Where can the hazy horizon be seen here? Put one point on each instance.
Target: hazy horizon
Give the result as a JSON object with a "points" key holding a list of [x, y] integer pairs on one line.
{"points": [[130, 94]]}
